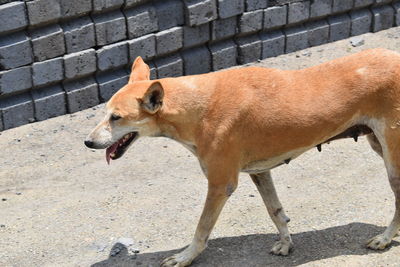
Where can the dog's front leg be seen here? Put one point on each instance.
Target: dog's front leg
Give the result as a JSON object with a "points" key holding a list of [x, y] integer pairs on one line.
{"points": [[266, 187], [218, 194]]}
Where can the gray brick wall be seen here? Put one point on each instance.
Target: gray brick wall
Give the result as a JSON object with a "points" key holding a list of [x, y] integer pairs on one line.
{"points": [[62, 56]]}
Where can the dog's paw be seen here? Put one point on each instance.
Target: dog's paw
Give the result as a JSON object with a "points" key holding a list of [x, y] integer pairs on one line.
{"points": [[378, 242], [282, 248], [177, 260]]}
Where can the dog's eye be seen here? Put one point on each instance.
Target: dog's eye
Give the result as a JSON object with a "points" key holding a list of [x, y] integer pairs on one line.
{"points": [[115, 117]]}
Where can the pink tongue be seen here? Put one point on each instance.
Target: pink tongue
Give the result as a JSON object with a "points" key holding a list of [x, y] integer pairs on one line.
{"points": [[109, 151]]}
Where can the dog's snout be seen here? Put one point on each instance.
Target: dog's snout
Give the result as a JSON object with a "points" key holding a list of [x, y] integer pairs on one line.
{"points": [[89, 143]]}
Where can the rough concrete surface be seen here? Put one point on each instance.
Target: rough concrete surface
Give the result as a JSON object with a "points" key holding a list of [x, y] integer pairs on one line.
{"points": [[61, 205]]}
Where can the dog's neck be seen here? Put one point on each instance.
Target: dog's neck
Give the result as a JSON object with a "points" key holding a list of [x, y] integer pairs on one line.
{"points": [[184, 105]]}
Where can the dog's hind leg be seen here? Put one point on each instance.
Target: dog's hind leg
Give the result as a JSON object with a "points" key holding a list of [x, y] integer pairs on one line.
{"points": [[219, 190], [266, 187], [374, 143], [390, 142]]}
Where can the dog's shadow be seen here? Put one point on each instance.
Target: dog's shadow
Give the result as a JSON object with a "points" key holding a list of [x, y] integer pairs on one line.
{"points": [[252, 250]]}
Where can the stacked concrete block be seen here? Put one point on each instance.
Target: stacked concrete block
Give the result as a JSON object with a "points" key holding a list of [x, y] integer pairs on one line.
{"points": [[251, 22], [12, 17], [169, 14], [48, 72], [79, 34], [249, 49], [360, 22], [320, 8], [197, 35], [141, 21], [110, 83], [41, 12], [273, 44], [144, 47], [153, 70], [81, 94], [200, 11], [298, 12], [382, 2], [223, 28], [47, 42], [396, 7], [135, 3], [110, 27], [100, 6], [171, 66], [362, 3], [169, 41], [318, 32], [230, 8], [339, 6], [49, 102], [275, 17], [15, 80], [383, 18], [196, 61], [17, 111], [80, 64], [15, 51], [256, 4], [296, 39], [340, 27], [112, 56], [223, 55], [75, 8]]}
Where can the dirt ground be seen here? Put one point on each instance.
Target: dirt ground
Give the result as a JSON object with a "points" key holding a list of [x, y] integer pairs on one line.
{"points": [[62, 205]]}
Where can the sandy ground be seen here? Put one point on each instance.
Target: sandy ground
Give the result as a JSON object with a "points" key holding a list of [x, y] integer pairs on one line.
{"points": [[61, 205]]}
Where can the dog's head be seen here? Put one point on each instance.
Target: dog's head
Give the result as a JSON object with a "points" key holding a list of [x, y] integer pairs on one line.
{"points": [[131, 113]]}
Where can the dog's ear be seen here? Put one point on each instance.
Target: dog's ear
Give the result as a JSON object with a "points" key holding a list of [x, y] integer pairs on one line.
{"points": [[140, 71], [153, 98]]}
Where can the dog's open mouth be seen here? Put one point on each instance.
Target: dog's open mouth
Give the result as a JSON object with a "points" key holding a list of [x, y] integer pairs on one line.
{"points": [[116, 150]]}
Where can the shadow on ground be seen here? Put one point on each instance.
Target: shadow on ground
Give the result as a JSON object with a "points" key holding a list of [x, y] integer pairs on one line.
{"points": [[252, 250]]}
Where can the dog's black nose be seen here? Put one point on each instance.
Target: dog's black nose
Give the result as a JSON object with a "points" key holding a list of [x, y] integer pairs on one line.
{"points": [[89, 143]]}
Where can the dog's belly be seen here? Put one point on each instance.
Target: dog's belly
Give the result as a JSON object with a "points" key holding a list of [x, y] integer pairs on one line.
{"points": [[267, 164]]}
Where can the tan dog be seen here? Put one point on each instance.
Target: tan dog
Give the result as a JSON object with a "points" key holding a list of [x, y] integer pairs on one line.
{"points": [[254, 119]]}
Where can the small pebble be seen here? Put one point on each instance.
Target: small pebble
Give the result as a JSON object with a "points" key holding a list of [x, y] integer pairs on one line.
{"points": [[251, 195], [115, 251], [4, 199], [18, 193], [101, 247], [357, 41]]}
